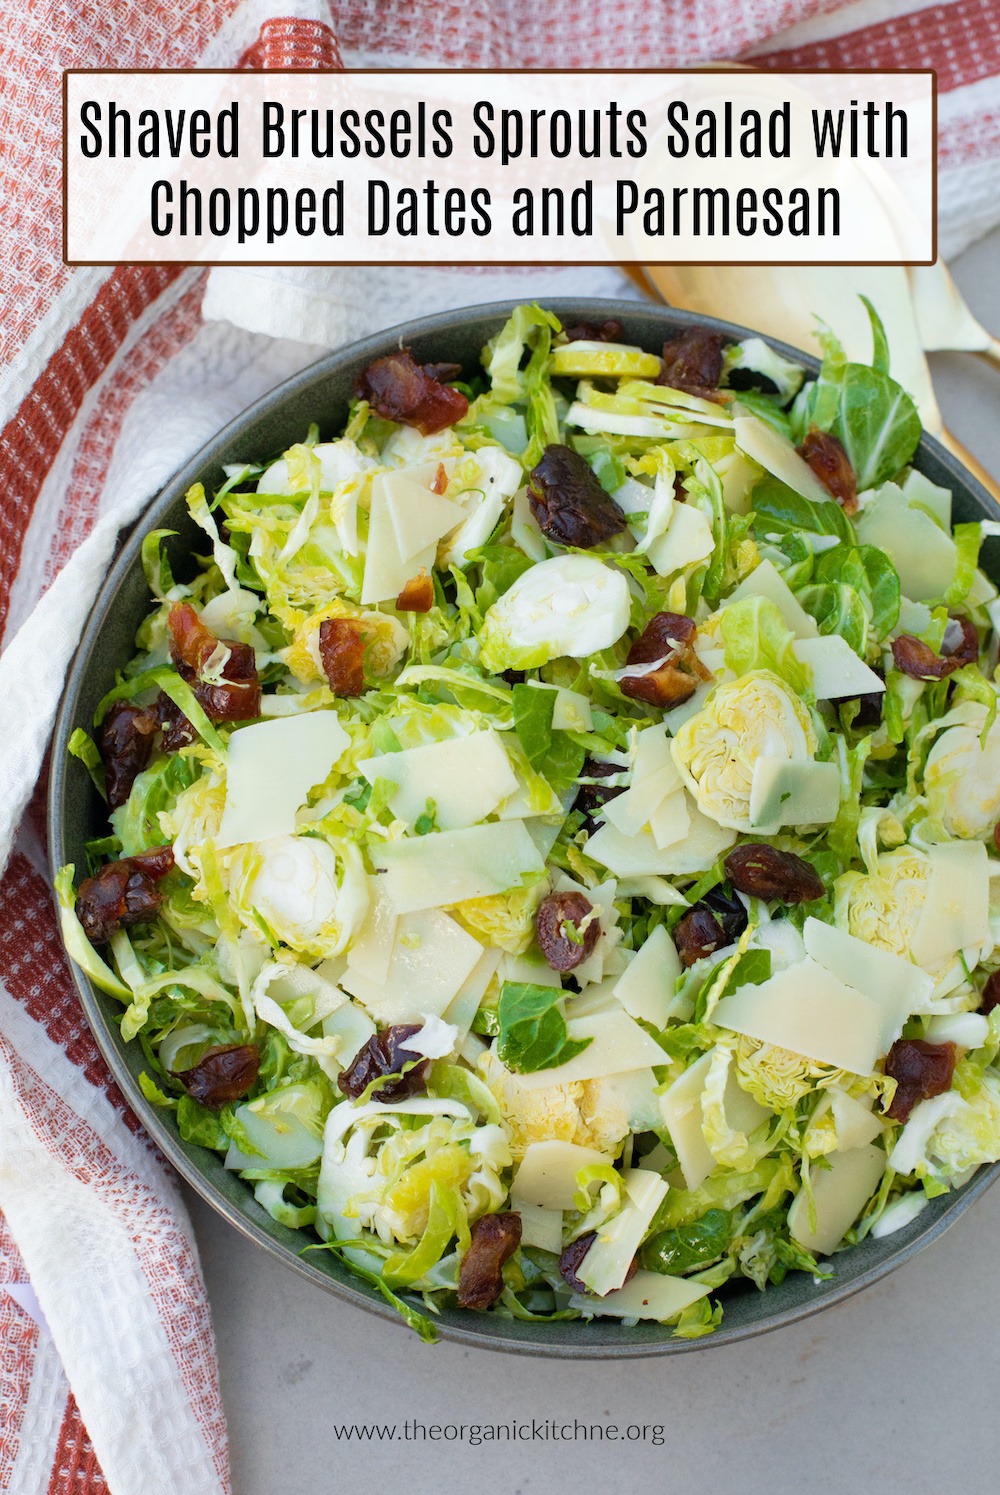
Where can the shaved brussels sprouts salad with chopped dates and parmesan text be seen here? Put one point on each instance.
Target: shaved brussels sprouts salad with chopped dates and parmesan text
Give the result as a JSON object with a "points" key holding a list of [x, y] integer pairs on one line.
{"points": [[551, 847]]}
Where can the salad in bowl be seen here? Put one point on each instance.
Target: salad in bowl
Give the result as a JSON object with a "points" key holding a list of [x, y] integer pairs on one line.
{"points": [[550, 850]]}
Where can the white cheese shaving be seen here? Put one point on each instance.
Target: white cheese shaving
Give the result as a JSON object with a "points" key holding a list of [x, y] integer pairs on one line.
{"points": [[784, 792], [836, 669], [922, 553], [896, 986], [540, 1227], [777, 455], [649, 1295], [447, 867], [640, 856], [432, 957], [546, 1175], [605, 1265], [811, 1012], [646, 988], [840, 1192], [618, 1044], [270, 768], [767, 581], [682, 1112], [955, 914], [465, 777]]}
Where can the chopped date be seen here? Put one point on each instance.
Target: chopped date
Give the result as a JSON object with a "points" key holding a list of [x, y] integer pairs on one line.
{"points": [[386, 1054], [444, 373], [417, 596], [761, 871], [564, 936], [918, 660], [698, 934], [191, 643], [440, 482], [155, 861], [668, 686], [608, 331], [222, 1075], [692, 362], [590, 797], [569, 503], [709, 925], [122, 893], [662, 634], [177, 730], [920, 1069], [572, 1259], [831, 464], [869, 712], [668, 642], [991, 993], [233, 698], [494, 1240], [125, 743], [961, 639], [996, 835], [400, 389], [342, 650]]}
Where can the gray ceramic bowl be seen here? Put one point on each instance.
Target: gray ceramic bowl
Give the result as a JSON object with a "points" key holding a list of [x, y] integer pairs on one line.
{"points": [[76, 813]]}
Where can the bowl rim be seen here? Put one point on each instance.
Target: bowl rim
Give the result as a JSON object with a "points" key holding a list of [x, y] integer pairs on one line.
{"points": [[155, 1122]]}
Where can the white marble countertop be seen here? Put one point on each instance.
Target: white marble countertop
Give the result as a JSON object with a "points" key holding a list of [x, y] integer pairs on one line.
{"points": [[895, 1390]]}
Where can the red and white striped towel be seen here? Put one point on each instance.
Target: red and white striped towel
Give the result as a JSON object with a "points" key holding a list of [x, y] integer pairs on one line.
{"points": [[110, 379]]}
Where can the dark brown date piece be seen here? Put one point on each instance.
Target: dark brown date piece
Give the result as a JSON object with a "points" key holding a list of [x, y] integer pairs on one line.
{"points": [[386, 1054], [692, 362], [191, 643], [569, 503], [233, 698], [609, 331], [236, 697], [919, 661], [222, 1075], [761, 871], [709, 925], [572, 1259], [122, 893], [177, 730], [125, 742], [400, 389], [664, 632], [555, 911], [991, 993], [961, 640], [869, 712], [825, 455], [920, 1070], [668, 637], [342, 650], [590, 797], [495, 1238]]}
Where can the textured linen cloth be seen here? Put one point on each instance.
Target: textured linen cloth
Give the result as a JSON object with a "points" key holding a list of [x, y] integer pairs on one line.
{"points": [[109, 380]]}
